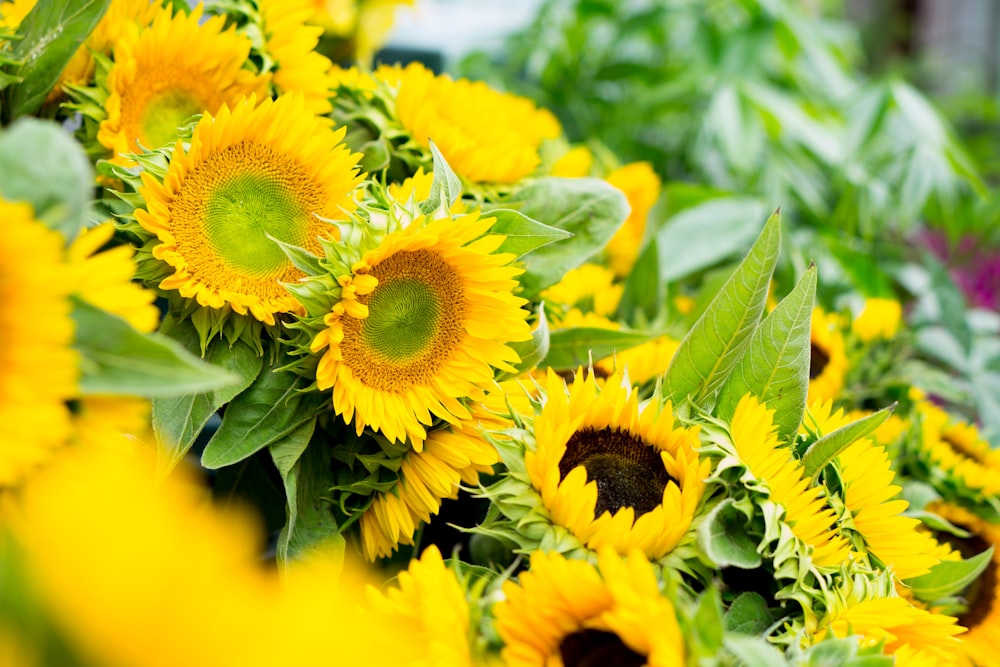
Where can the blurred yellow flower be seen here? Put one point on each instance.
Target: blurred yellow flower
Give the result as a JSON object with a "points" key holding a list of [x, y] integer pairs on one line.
{"points": [[879, 319]]}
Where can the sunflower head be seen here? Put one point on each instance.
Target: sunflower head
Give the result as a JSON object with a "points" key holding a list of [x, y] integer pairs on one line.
{"points": [[601, 470], [827, 356], [642, 187], [252, 179]]}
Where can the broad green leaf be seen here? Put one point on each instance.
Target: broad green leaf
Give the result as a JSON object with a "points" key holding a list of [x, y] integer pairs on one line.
{"points": [[52, 32], [775, 366], [949, 577], [271, 408], [846, 652], [707, 623], [644, 293], [523, 234], [306, 473], [823, 451], [748, 614], [754, 651], [706, 234], [178, 420], [571, 348], [301, 258], [446, 187], [724, 540], [590, 209], [117, 359], [57, 180], [717, 340], [534, 350]]}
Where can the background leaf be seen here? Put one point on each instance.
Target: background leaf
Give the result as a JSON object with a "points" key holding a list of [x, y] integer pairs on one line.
{"points": [[117, 359], [590, 209], [775, 366], [571, 348], [523, 234], [53, 31], [719, 337], [949, 577], [57, 180], [644, 291], [824, 450]]}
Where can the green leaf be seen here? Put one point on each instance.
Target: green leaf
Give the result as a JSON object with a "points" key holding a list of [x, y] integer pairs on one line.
{"points": [[535, 349], [178, 420], [271, 408], [775, 366], [57, 180], [117, 359], [446, 187], [707, 621], [949, 577], [717, 340], [706, 234], [307, 476], [301, 258], [52, 32], [724, 540], [590, 209], [748, 614], [571, 348], [823, 451], [754, 652], [523, 235], [644, 293]]}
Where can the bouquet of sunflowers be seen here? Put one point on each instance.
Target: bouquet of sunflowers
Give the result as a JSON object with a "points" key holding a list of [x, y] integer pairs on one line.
{"points": [[311, 364]]}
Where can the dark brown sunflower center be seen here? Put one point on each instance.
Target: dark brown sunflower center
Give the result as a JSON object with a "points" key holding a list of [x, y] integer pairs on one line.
{"points": [[818, 359], [628, 472], [981, 596], [595, 648], [962, 447]]}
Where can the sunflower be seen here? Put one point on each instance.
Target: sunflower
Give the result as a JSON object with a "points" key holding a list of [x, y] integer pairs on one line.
{"points": [[641, 186], [291, 46], [424, 319], [918, 634], [827, 356], [14, 11], [104, 279], [38, 368], [576, 162], [485, 135], [954, 450], [610, 473], [880, 318], [567, 611], [756, 444], [249, 175], [588, 287], [982, 599], [429, 600], [866, 477], [178, 67]]}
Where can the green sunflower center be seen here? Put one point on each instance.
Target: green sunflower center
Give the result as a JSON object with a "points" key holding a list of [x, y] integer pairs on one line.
{"points": [[596, 648], [818, 359], [415, 321], [628, 472], [227, 207], [165, 112], [403, 319]]}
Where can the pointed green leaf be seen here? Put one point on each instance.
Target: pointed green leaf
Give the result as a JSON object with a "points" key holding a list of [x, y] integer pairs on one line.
{"points": [[949, 577], [704, 235], [271, 408], [178, 420], [301, 258], [723, 537], [52, 32], [754, 651], [117, 359], [590, 209], [571, 348], [717, 340], [446, 187], [644, 291], [748, 614], [536, 348], [58, 179], [823, 451], [775, 366], [523, 234], [307, 476], [707, 623]]}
